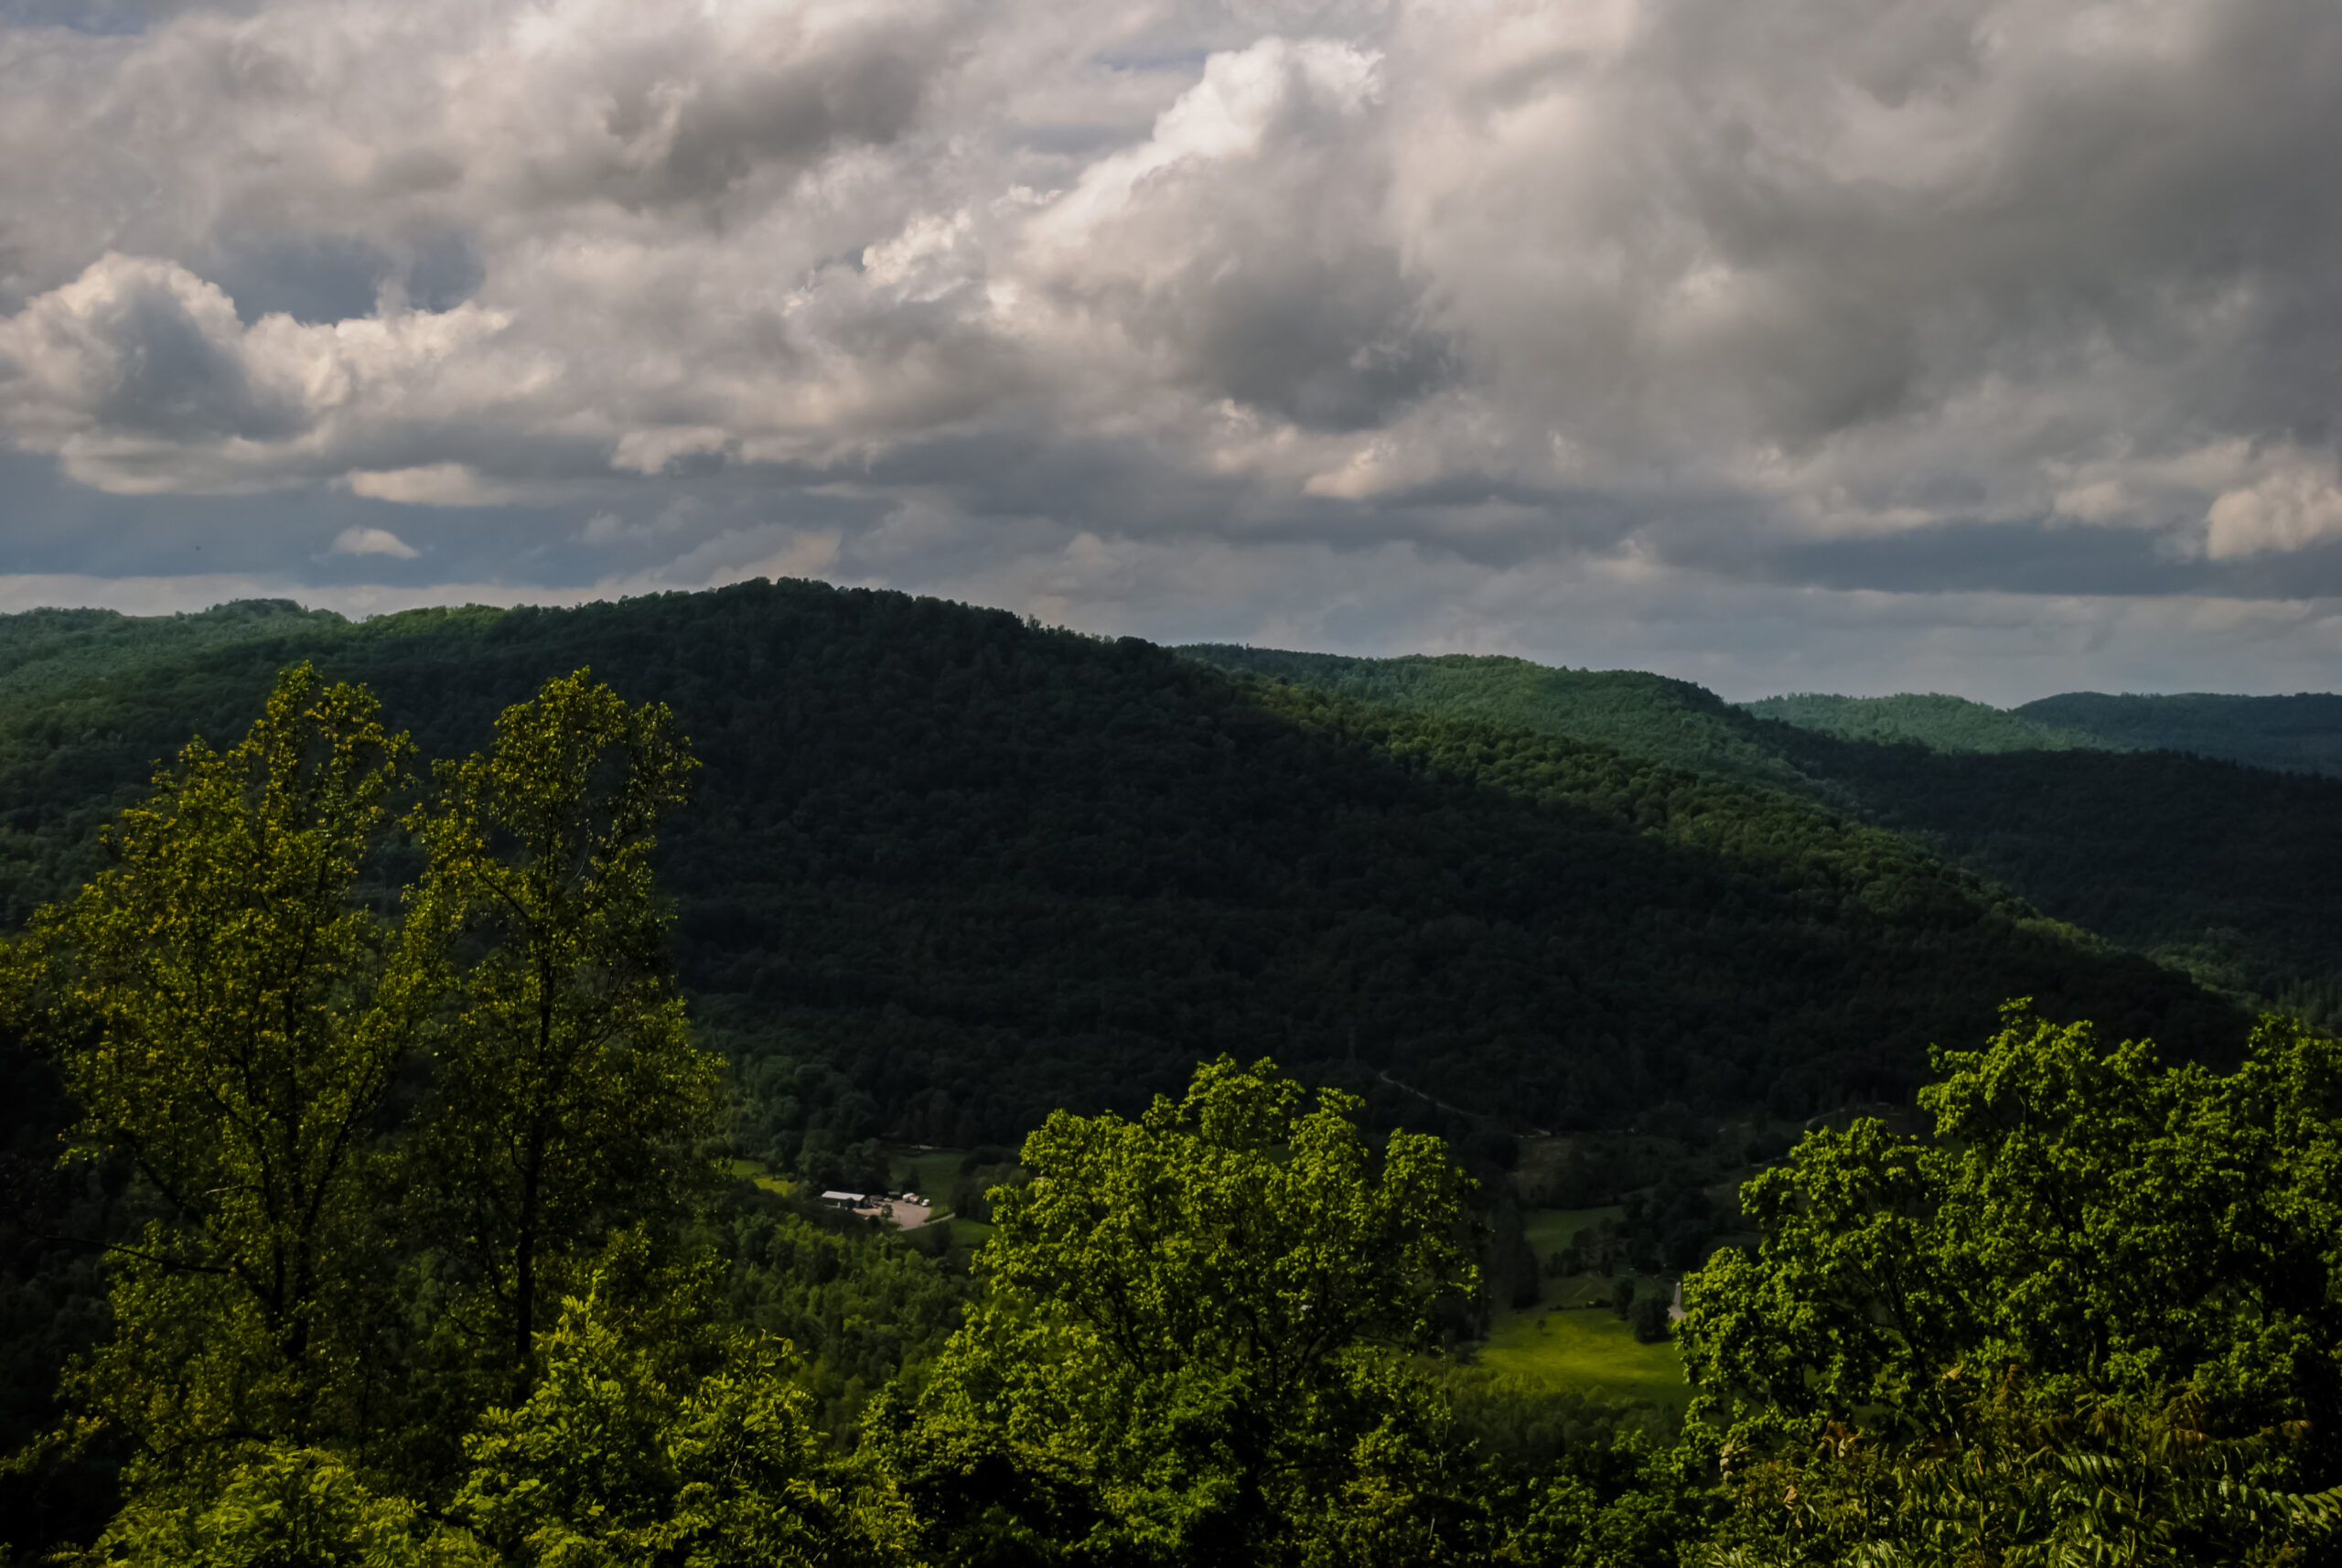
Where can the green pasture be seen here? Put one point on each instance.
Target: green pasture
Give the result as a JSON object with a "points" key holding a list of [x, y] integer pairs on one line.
{"points": [[1584, 1348], [930, 1171], [755, 1171], [1571, 1338]]}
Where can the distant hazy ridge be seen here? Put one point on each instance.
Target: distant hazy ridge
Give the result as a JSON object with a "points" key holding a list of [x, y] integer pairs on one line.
{"points": [[2300, 734]]}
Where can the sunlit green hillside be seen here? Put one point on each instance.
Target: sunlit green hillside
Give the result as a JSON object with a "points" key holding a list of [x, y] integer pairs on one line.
{"points": [[1935, 721]]}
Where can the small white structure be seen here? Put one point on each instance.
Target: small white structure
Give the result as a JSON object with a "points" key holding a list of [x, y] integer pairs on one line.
{"points": [[847, 1199]]}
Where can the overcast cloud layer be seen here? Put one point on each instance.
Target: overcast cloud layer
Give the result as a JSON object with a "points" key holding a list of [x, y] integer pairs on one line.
{"points": [[1840, 344]]}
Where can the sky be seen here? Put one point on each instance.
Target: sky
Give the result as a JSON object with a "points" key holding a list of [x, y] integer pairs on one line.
{"points": [[1816, 345]]}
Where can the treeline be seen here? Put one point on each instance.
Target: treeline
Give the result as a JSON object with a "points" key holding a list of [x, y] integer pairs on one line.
{"points": [[2299, 734], [1933, 720]]}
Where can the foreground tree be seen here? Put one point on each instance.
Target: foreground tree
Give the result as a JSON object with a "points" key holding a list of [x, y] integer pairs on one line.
{"points": [[229, 1017], [657, 1433], [1191, 1348], [569, 1089], [351, 1126], [2100, 1310]]}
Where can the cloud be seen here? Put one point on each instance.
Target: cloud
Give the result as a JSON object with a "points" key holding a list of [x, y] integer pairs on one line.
{"points": [[431, 484], [2299, 504], [357, 541], [2038, 298]]}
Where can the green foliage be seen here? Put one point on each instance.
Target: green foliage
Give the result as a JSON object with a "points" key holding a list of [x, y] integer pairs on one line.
{"points": [[230, 1022], [244, 1028], [280, 1505], [952, 870], [2101, 1275], [568, 1080], [2020, 1482], [1190, 1351], [861, 1307], [1630, 1505], [627, 1453], [2225, 874], [2220, 871], [945, 871]]}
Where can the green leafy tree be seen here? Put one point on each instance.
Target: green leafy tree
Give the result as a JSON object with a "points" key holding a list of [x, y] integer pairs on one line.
{"points": [[229, 1017], [2029, 1480], [2130, 1270], [569, 1086], [658, 1435], [1192, 1347], [283, 1505]]}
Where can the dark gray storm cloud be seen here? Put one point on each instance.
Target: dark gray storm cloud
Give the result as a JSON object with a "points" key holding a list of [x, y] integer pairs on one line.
{"points": [[1725, 338]]}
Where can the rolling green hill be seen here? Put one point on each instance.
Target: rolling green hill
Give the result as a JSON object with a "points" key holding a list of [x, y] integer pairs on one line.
{"points": [[1668, 721], [2301, 734], [947, 870], [1937, 721], [2227, 871]]}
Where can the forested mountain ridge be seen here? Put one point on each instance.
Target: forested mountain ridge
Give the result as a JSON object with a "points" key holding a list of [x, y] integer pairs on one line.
{"points": [[1643, 716], [2225, 870], [2300, 734], [1933, 720], [946, 869], [2231, 872]]}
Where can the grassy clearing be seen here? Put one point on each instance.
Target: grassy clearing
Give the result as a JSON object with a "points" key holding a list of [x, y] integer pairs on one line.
{"points": [[1584, 1348], [756, 1171], [1571, 1338], [931, 1171]]}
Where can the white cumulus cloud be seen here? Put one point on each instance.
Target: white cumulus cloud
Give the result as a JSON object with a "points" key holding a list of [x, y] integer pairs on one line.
{"points": [[360, 541]]}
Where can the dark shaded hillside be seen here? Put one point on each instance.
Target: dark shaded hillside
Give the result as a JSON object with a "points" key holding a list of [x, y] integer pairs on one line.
{"points": [[947, 870], [2231, 872], [2301, 734], [2234, 873]]}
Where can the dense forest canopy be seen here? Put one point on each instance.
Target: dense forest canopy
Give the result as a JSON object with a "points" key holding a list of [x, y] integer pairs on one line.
{"points": [[2137, 831], [1665, 720]]}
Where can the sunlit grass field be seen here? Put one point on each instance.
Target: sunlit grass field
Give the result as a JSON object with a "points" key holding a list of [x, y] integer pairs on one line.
{"points": [[1566, 1342], [756, 1171], [1584, 1348], [931, 1172]]}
